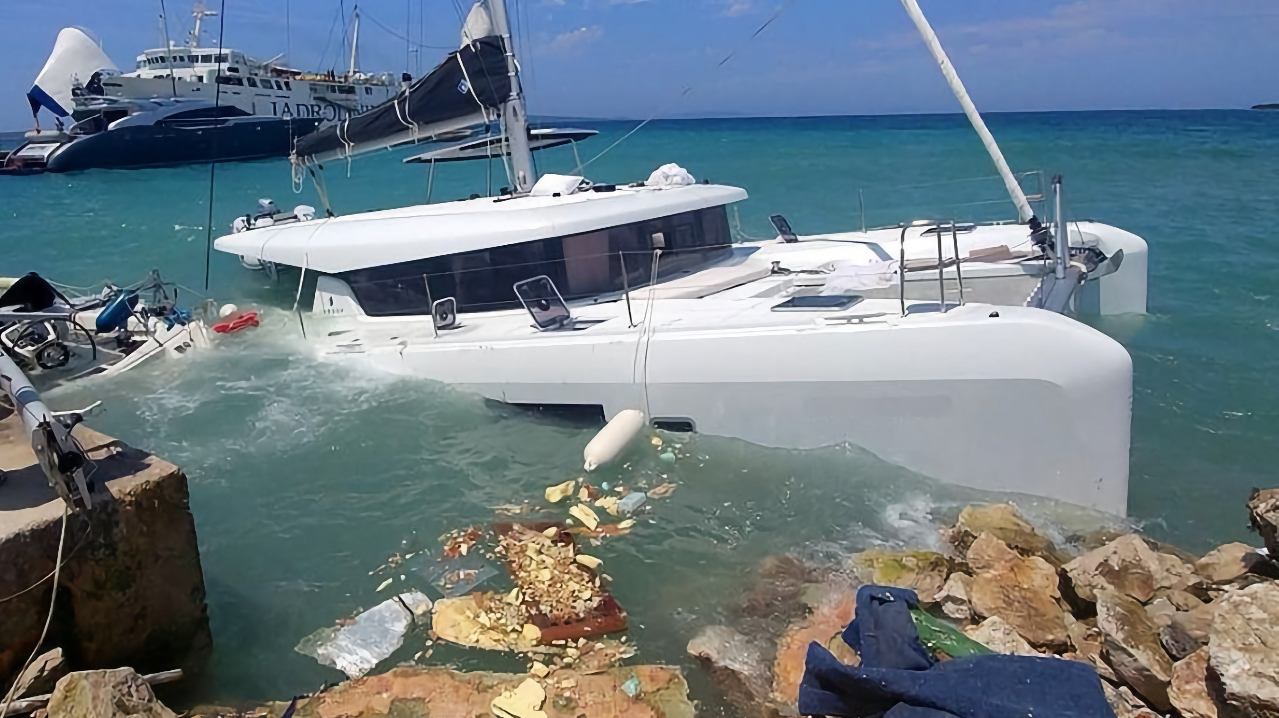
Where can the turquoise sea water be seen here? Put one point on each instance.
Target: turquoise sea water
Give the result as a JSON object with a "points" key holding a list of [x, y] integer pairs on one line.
{"points": [[305, 476]]}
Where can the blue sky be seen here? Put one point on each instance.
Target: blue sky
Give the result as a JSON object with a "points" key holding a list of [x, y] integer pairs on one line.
{"points": [[636, 58]]}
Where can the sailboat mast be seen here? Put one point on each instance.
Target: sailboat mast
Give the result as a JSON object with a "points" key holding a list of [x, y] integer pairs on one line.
{"points": [[513, 110], [355, 40], [1024, 211]]}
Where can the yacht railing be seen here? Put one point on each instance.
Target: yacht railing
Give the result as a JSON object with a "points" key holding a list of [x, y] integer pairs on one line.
{"points": [[938, 228], [1032, 183]]}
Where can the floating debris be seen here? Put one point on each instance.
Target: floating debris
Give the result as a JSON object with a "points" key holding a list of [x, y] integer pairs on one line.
{"points": [[356, 646], [559, 492], [661, 491], [631, 502], [588, 561], [523, 702], [383, 585], [583, 513], [667, 457], [631, 687]]}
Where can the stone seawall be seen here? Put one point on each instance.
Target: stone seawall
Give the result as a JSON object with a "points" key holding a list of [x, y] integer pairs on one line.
{"points": [[131, 589]]}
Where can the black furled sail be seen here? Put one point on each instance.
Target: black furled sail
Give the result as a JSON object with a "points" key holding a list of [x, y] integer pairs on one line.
{"points": [[462, 91]]}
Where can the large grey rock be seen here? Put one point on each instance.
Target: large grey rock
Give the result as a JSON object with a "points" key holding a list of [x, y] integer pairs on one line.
{"points": [[117, 693], [1132, 647], [1263, 512], [132, 590], [1022, 590], [1243, 648], [1129, 566], [1192, 691]]}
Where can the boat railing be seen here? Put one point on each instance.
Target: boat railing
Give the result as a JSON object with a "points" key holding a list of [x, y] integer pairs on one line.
{"points": [[940, 228], [969, 198]]}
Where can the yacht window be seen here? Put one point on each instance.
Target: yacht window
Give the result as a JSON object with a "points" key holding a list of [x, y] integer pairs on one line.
{"points": [[581, 265], [224, 80], [288, 85], [233, 70], [222, 58], [252, 82], [368, 90]]}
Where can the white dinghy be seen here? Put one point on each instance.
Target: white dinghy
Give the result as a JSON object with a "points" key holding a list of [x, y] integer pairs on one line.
{"points": [[606, 298]]}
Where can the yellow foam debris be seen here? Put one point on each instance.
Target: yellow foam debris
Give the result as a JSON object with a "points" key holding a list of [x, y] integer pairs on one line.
{"points": [[559, 492], [583, 513]]}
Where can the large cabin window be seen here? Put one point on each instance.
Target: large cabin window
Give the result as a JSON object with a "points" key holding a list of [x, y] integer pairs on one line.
{"points": [[581, 265]]}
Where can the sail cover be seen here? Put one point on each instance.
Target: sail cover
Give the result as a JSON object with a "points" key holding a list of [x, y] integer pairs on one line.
{"points": [[457, 93], [75, 58]]}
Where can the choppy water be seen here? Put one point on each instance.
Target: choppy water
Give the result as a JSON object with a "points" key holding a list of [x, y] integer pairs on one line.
{"points": [[305, 476]]}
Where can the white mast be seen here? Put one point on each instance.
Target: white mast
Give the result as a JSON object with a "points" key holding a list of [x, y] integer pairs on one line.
{"points": [[513, 110], [199, 12], [355, 40], [1018, 197]]}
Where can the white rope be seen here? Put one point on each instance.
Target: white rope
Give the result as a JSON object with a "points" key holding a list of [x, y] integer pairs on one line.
{"points": [[44, 632]]}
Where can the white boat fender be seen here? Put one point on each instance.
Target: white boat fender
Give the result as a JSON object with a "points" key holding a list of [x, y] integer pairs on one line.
{"points": [[616, 435], [227, 310]]}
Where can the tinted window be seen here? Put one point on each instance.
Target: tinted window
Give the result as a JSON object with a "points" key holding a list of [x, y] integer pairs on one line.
{"points": [[581, 265], [224, 80], [288, 85], [252, 82], [368, 90]]}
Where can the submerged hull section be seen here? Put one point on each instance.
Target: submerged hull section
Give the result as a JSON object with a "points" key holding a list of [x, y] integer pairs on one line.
{"points": [[158, 145], [997, 399]]}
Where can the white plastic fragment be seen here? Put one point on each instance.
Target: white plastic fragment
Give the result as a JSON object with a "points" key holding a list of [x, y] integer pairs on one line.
{"points": [[356, 648]]}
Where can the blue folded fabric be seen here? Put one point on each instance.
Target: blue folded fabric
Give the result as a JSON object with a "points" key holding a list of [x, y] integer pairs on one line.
{"points": [[899, 679]]}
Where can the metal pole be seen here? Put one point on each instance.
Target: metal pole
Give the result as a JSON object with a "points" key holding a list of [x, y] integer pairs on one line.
{"points": [[861, 208], [1063, 239], [959, 274], [426, 280], [430, 180], [901, 268], [626, 290], [941, 272]]}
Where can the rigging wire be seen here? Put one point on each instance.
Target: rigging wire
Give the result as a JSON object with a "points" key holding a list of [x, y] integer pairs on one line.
{"points": [[397, 35], [168, 47], [689, 88], [213, 166], [324, 54], [44, 632]]}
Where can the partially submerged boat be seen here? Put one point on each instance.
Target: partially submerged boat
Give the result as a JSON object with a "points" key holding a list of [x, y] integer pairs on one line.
{"points": [[55, 338], [601, 298]]}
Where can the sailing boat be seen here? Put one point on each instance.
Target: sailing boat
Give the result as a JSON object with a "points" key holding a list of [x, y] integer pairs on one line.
{"points": [[601, 298]]}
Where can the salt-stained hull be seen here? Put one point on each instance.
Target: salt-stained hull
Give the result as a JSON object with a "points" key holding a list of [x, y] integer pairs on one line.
{"points": [[994, 398]]}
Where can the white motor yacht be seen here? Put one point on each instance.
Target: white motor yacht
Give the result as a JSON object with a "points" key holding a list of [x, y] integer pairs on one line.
{"points": [[602, 298]]}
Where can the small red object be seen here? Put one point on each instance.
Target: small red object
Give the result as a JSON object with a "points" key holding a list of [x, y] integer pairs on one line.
{"points": [[236, 321]]}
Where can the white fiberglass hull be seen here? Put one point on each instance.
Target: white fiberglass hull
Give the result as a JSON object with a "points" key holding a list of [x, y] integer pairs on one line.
{"points": [[1025, 401]]}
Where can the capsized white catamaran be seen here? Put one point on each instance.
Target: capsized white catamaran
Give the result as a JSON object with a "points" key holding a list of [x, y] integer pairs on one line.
{"points": [[604, 298]]}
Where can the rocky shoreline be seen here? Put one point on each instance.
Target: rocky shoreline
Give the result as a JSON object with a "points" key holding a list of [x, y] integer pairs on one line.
{"points": [[1168, 633]]}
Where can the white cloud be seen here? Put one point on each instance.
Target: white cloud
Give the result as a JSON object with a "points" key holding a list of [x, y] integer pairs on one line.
{"points": [[736, 8], [573, 39]]}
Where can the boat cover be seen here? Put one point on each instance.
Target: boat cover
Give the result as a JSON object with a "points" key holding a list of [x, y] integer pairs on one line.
{"points": [[75, 57], [467, 84], [898, 678]]}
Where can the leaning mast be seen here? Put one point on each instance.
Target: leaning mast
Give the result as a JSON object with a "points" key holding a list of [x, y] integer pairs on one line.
{"points": [[1024, 211], [514, 112]]}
